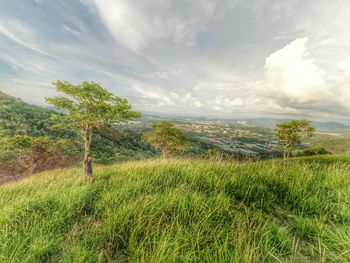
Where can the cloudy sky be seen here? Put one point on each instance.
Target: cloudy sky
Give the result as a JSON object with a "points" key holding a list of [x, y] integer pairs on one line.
{"points": [[230, 58]]}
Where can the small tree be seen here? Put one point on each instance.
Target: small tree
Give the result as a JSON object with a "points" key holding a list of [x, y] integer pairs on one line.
{"points": [[166, 137], [90, 107], [291, 134]]}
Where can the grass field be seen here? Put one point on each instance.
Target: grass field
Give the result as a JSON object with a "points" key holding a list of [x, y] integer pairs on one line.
{"points": [[181, 211]]}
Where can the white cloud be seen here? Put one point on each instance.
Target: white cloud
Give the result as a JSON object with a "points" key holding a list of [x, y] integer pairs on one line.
{"points": [[71, 31], [192, 56], [22, 35], [292, 76], [345, 65], [136, 24], [165, 74], [151, 94], [187, 100], [170, 99], [272, 106], [124, 22], [225, 104], [218, 86]]}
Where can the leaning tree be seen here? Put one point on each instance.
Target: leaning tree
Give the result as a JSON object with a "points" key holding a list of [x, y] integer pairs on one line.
{"points": [[89, 107]]}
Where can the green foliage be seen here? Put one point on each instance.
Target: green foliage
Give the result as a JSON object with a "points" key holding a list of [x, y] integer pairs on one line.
{"points": [[24, 155], [90, 107], [29, 143], [113, 145], [336, 144], [16, 143], [18, 117], [181, 211], [312, 152], [291, 134], [166, 137]]}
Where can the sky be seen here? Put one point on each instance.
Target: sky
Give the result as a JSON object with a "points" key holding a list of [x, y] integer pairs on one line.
{"points": [[224, 58]]}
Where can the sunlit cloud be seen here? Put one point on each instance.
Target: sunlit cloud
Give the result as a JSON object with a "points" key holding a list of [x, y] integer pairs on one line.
{"points": [[345, 65], [214, 57], [293, 76]]}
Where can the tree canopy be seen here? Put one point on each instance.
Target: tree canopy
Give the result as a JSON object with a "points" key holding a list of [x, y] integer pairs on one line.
{"points": [[18, 117], [90, 105], [166, 137], [291, 134]]}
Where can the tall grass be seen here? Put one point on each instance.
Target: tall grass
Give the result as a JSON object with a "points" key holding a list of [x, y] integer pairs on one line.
{"points": [[181, 211]]}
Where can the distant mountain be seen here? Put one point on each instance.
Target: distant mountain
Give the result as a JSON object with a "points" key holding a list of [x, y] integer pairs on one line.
{"points": [[330, 126]]}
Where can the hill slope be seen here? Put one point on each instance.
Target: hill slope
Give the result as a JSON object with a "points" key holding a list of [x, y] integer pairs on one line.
{"points": [[16, 115], [181, 211], [333, 143]]}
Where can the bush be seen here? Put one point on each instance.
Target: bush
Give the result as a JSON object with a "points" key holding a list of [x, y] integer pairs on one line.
{"points": [[24, 155], [312, 151], [111, 145]]}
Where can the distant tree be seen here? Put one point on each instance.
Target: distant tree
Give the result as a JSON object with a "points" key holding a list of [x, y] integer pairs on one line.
{"points": [[166, 137], [89, 107], [291, 134]]}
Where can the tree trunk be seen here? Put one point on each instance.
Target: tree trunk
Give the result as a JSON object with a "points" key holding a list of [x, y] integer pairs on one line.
{"points": [[87, 149], [165, 154], [284, 155]]}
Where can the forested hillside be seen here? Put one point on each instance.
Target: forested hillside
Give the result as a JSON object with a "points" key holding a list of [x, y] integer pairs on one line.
{"points": [[335, 143], [18, 117], [110, 144], [34, 138]]}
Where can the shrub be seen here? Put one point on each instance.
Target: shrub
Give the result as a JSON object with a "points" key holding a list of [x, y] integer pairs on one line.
{"points": [[312, 151], [24, 155]]}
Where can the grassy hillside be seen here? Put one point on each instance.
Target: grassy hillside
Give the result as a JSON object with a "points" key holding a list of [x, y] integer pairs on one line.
{"points": [[335, 144], [181, 211]]}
